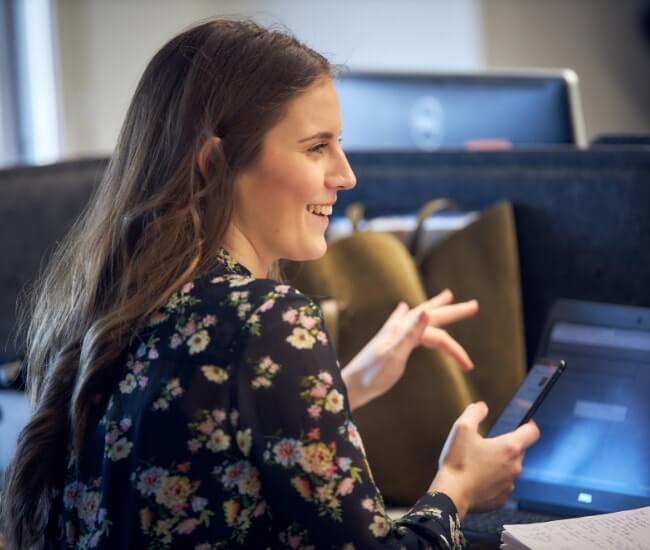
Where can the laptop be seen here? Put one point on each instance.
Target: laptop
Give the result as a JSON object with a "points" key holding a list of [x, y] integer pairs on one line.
{"points": [[594, 452]]}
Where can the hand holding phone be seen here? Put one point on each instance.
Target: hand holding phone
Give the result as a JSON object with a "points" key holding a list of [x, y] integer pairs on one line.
{"points": [[529, 396]]}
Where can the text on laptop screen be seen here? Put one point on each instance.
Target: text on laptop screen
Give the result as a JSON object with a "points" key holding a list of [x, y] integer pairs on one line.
{"points": [[595, 424]]}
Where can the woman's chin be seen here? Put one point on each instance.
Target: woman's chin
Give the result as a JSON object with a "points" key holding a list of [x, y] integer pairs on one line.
{"points": [[313, 252]]}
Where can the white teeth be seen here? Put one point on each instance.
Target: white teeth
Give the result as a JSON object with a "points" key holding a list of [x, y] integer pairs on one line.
{"points": [[324, 210]]}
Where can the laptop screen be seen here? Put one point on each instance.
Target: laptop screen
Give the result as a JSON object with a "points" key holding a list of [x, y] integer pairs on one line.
{"points": [[594, 452]]}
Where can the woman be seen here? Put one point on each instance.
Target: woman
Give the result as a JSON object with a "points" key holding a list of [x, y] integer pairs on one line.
{"points": [[185, 399]]}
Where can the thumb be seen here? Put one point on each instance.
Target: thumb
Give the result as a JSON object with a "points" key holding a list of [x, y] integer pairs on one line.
{"points": [[527, 434], [473, 415]]}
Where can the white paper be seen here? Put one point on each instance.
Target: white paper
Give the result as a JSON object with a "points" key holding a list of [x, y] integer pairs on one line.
{"points": [[628, 530]]}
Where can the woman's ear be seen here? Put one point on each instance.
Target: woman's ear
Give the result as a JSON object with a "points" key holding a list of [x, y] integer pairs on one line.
{"points": [[203, 156]]}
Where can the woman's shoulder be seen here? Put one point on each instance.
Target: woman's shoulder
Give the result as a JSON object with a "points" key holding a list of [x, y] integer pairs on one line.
{"points": [[229, 295]]}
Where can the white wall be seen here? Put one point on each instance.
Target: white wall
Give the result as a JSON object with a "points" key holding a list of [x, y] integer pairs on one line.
{"points": [[600, 39], [105, 45]]}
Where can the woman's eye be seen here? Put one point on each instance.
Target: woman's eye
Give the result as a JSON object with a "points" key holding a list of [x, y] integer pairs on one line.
{"points": [[317, 148]]}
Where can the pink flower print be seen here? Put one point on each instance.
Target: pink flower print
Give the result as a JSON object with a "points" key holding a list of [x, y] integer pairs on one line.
{"points": [[353, 435], [142, 381], [184, 467], [111, 437], [234, 418], [259, 509], [72, 494], [186, 526], [313, 434], [219, 415], [345, 487], [175, 341], [329, 472], [322, 338], [290, 315], [153, 354], [307, 321], [318, 391], [194, 445], [314, 411], [325, 377], [150, 480], [187, 288], [206, 427], [125, 423], [266, 306], [294, 541], [287, 451], [209, 320], [189, 328], [234, 473], [368, 504]]}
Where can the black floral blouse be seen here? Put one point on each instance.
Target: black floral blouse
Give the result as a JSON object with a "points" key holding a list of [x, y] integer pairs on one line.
{"points": [[230, 428]]}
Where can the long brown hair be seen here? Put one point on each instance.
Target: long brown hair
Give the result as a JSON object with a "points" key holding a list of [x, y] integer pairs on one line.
{"points": [[155, 222]]}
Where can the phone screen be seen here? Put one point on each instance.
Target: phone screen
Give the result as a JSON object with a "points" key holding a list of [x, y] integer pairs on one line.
{"points": [[529, 395]]}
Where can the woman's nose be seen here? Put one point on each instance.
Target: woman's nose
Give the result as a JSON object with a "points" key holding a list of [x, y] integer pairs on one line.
{"points": [[342, 177]]}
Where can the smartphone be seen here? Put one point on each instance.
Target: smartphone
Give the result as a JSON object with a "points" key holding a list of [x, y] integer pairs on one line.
{"points": [[529, 396]]}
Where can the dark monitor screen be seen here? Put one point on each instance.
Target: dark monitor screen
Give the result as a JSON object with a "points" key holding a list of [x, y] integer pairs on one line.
{"points": [[595, 445], [430, 112]]}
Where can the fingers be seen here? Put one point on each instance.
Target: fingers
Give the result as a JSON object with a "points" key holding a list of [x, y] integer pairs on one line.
{"points": [[473, 415], [437, 338], [444, 315], [398, 312], [443, 298]]}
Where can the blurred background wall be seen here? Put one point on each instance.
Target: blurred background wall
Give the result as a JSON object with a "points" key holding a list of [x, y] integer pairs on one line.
{"points": [[100, 48]]}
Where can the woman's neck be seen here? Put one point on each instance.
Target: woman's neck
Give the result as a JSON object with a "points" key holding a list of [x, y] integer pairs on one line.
{"points": [[243, 250]]}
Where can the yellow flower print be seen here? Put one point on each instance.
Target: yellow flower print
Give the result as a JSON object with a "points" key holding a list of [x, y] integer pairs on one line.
{"points": [[301, 339], [325, 494], [219, 441], [302, 486], [174, 492], [379, 526], [244, 440], [316, 458], [198, 341], [250, 485], [164, 530], [334, 401], [214, 373], [230, 510]]}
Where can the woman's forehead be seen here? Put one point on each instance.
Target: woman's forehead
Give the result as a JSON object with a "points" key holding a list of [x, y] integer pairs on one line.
{"points": [[314, 111]]}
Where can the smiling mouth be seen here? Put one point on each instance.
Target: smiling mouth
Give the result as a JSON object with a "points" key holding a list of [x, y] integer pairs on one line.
{"points": [[320, 210]]}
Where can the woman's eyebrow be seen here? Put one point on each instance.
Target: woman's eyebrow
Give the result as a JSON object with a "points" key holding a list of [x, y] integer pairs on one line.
{"points": [[320, 135]]}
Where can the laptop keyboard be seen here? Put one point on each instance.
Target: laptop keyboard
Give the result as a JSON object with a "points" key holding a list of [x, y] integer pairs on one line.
{"points": [[489, 525]]}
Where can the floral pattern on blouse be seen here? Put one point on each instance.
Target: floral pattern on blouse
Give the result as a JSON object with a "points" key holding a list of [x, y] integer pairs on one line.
{"points": [[229, 427]]}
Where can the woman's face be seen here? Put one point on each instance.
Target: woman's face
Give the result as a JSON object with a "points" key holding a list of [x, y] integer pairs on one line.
{"points": [[283, 201]]}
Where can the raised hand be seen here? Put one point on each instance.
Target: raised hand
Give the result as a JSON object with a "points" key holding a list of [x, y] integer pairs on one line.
{"points": [[381, 363]]}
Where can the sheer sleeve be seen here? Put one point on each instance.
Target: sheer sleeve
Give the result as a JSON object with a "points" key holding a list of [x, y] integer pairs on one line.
{"points": [[313, 468]]}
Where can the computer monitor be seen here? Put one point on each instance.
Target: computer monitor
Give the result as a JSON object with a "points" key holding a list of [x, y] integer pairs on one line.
{"points": [[412, 112]]}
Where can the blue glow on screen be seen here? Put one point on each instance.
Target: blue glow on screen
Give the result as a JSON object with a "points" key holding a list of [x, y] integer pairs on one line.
{"points": [[595, 427]]}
